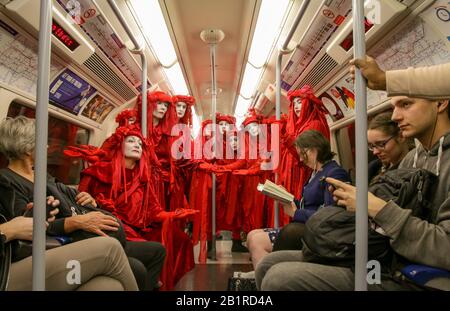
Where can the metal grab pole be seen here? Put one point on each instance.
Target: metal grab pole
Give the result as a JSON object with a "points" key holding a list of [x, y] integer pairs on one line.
{"points": [[361, 150], [139, 49], [144, 96], [214, 135], [282, 51], [40, 163]]}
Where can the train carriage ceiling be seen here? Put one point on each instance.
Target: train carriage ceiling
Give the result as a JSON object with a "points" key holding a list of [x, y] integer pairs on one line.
{"points": [[236, 18]]}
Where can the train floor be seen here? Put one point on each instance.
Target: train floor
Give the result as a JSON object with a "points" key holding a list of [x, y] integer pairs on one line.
{"points": [[214, 275]]}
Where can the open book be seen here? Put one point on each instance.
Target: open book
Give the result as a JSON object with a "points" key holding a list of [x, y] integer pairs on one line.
{"points": [[275, 192]]}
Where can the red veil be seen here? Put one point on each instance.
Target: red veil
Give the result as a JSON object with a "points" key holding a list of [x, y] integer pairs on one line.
{"points": [[189, 101]]}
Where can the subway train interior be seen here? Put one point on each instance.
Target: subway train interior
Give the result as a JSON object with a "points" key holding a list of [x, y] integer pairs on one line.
{"points": [[128, 91]]}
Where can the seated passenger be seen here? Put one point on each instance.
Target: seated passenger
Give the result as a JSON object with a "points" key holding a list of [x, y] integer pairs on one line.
{"points": [[102, 260], [426, 82], [78, 217], [386, 143], [315, 152], [429, 122]]}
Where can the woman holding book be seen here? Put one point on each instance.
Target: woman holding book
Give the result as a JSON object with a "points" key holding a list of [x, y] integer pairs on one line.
{"points": [[314, 151], [306, 112]]}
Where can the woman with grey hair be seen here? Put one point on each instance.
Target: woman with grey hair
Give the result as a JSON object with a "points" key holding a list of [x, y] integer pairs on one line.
{"points": [[98, 272], [18, 145], [78, 218]]}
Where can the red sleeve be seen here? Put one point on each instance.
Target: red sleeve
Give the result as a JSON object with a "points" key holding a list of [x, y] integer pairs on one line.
{"points": [[98, 191], [236, 165]]}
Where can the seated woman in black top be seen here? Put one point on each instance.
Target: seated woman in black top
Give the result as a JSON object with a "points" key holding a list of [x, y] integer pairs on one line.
{"points": [[78, 217], [102, 260]]}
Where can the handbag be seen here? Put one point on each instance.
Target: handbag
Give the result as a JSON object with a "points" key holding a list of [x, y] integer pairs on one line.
{"points": [[5, 259], [238, 284], [22, 249], [68, 205]]}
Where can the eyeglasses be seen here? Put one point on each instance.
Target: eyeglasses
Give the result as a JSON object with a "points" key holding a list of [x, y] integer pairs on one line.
{"points": [[380, 145]]}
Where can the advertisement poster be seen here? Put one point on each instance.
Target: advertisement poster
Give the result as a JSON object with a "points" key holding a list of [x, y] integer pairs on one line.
{"points": [[335, 112], [70, 92], [97, 109], [332, 15], [339, 100], [90, 19]]}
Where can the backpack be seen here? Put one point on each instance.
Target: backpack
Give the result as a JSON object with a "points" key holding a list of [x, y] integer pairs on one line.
{"points": [[329, 236]]}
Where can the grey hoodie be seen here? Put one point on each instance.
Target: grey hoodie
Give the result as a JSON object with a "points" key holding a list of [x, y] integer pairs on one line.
{"points": [[417, 240]]}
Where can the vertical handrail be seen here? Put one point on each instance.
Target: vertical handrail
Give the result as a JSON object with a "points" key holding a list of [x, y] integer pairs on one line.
{"points": [[144, 96], [139, 49], [214, 135], [40, 163], [281, 52], [361, 150]]}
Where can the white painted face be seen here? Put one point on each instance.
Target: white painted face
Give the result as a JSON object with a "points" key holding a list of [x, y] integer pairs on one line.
{"points": [[161, 109], [132, 120], [234, 143], [181, 109], [297, 106], [132, 147], [224, 127], [207, 130], [253, 129]]}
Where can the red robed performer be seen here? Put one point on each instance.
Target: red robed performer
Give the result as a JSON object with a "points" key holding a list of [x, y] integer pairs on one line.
{"points": [[229, 211], [253, 203], [306, 112], [161, 117], [181, 167], [120, 182], [200, 189]]}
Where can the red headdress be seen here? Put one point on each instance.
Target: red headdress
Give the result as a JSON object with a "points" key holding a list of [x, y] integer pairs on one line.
{"points": [[252, 117], [114, 147], [111, 151], [225, 117], [127, 117], [189, 101], [200, 140], [312, 114], [170, 118]]}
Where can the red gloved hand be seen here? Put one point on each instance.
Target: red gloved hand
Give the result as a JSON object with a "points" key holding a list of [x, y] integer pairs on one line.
{"points": [[184, 212], [205, 166], [219, 169], [240, 172], [177, 214]]}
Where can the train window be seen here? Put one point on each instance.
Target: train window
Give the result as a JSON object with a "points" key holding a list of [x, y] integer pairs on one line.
{"points": [[345, 139], [60, 135]]}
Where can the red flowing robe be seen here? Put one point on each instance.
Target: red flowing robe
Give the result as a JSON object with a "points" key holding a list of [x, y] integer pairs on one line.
{"points": [[253, 203], [140, 220], [229, 211]]}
